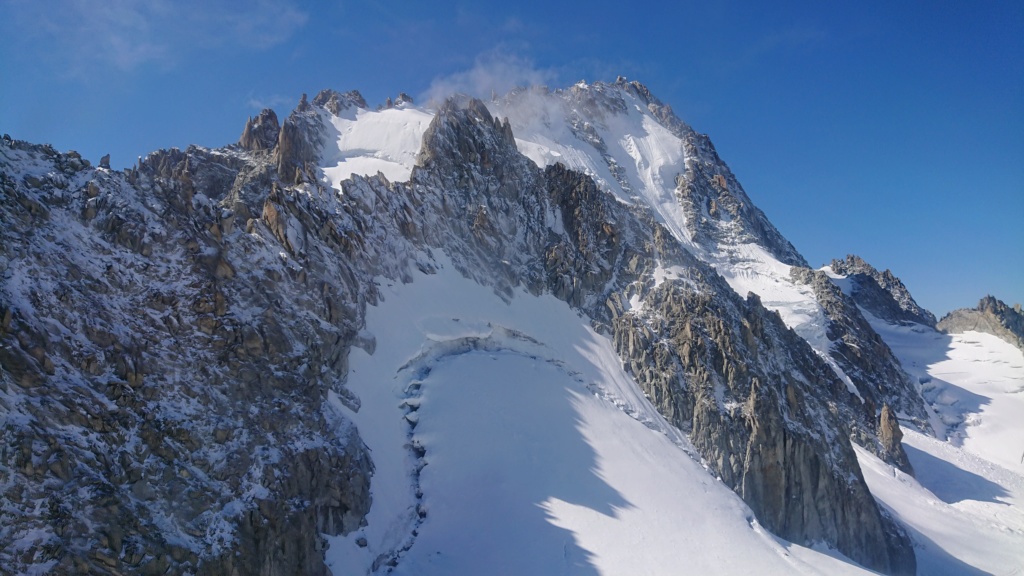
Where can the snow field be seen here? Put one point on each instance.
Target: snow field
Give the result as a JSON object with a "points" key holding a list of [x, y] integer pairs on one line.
{"points": [[965, 508], [540, 455], [974, 383], [368, 142], [963, 514]]}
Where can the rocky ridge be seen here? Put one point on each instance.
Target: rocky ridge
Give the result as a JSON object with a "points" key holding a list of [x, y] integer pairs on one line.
{"points": [[881, 293], [746, 417], [272, 271], [992, 316], [863, 358]]}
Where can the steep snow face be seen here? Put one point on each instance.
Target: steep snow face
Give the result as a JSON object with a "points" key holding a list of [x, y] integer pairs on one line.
{"points": [[364, 142], [750, 268], [508, 439], [609, 135], [964, 508]]}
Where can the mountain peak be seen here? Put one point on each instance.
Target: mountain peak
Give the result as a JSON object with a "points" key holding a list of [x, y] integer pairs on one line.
{"points": [[464, 128], [881, 293], [334, 101], [992, 316], [261, 132]]}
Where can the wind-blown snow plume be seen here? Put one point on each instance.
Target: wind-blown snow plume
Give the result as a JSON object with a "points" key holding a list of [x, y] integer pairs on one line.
{"points": [[493, 74]]}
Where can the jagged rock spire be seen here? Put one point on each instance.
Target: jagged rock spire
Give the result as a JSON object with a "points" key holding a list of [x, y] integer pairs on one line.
{"points": [[261, 132]]}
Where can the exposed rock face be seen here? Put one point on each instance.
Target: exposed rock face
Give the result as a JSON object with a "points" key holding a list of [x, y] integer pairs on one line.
{"points": [[860, 352], [890, 436], [261, 132], [991, 316], [705, 204], [299, 143], [754, 420], [199, 347], [868, 364], [165, 374], [881, 293], [335, 102]]}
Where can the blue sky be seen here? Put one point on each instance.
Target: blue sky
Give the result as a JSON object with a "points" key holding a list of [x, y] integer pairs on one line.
{"points": [[890, 130]]}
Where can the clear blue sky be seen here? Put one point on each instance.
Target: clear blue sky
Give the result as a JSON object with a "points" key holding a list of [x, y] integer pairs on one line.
{"points": [[894, 130]]}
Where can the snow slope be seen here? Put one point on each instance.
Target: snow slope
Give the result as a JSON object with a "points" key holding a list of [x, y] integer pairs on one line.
{"points": [[647, 156], [367, 142], [507, 439], [965, 508]]}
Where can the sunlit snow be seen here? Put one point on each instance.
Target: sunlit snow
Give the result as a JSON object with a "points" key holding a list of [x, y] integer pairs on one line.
{"points": [[368, 142], [965, 508]]}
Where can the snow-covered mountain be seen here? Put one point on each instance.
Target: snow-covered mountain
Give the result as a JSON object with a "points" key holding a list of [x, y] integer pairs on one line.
{"points": [[991, 316], [549, 334]]}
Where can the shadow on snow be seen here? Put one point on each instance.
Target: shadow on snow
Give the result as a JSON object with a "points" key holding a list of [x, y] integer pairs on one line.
{"points": [[950, 483], [503, 443]]}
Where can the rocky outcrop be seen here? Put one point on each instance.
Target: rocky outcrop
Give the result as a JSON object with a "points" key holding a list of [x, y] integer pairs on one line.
{"points": [[891, 437], [165, 374], [335, 102], [769, 423], [260, 133], [881, 293], [991, 316], [303, 133]]}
